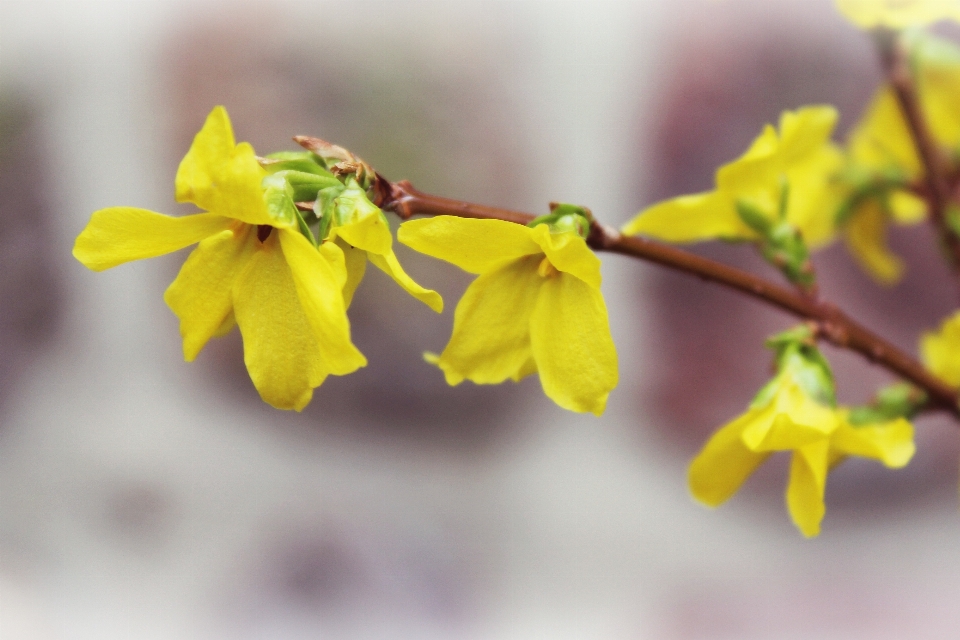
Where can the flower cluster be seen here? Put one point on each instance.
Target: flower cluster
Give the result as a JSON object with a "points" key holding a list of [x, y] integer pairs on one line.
{"points": [[286, 274]]}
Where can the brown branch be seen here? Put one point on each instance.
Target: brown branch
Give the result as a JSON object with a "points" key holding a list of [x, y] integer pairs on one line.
{"points": [[896, 67], [833, 324]]}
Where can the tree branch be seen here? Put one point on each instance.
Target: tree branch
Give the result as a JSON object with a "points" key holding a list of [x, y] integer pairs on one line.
{"points": [[833, 324]]}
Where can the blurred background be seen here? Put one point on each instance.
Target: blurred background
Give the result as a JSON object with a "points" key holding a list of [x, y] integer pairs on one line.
{"points": [[143, 497]]}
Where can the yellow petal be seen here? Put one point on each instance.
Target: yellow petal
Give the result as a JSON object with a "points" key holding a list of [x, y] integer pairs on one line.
{"points": [[804, 132], [280, 348], [121, 234], [369, 233], [571, 343], [808, 479], [791, 420], [320, 289], [724, 463], [701, 216], [355, 261], [889, 442], [491, 326], [389, 264], [569, 253], [813, 196], [941, 350], [476, 246], [202, 294], [866, 239], [907, 208], [222, 177], [882, 138]]}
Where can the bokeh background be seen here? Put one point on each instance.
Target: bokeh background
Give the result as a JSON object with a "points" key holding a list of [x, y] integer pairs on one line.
{"points": [[143, 497]]}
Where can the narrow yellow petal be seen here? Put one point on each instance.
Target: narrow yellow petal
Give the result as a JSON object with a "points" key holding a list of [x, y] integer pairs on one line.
{"points": [[320, 290], [805, 131], [389, 264], [571, 343], [476, 246], [724, 463], [889, 442], [569, 253], [201, 295], [121, 234], [491, 326], [280, 348], [907, 208], [701, 216], [866, 239], [808, 478], [355, 261]]}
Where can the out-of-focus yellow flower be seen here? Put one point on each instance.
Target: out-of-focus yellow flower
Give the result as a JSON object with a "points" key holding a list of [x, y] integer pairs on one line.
{"points": [[796, 164], [251, 268], [882, 158], [898, 14], [536, 307], [941, 350], [786, 418]]}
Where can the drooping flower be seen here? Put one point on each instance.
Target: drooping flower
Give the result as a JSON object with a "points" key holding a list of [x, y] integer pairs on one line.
{"points": [[252, 267], [536, 307], [941, 350], [898, 14], [780, 175], [795, 413]]}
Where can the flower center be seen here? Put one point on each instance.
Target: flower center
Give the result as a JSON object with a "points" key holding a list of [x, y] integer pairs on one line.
{"points": [[263, 232], [546, 269]]}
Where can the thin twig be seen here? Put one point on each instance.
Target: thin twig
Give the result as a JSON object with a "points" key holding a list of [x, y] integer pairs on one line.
{"points": [[834, 325]]}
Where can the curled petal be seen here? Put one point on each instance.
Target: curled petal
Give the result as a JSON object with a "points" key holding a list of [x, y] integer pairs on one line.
{"points": [[724, 463], [222, 177], [370, 233], [121, 234], [389, 264], [491, 326], [476, 246], [571, 343], [201, 295], [355, 262], [866, 238]]}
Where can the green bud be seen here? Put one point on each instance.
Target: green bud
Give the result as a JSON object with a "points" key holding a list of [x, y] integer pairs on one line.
{"points": [[799, 357], [304, 186], [754, 217], [566, 217], [304, 161], [900, 400]]}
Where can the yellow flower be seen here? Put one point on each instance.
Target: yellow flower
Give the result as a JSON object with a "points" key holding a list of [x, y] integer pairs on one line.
{"points": [[882, 155], [796, 164], [361, 231], [535, 307], [251, 268], [785, 418], [941, 350], [897, 14]]}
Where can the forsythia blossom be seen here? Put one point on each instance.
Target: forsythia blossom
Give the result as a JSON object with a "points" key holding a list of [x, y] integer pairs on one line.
{"points": [[882, 160], [897, 14], [941, 350], [252, 268], [795, 412], [536, 307], [780, 175]]}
